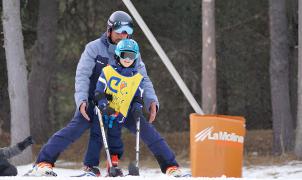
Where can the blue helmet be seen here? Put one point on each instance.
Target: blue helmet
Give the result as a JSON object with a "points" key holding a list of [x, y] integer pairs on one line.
{"points": [[127, 49]]}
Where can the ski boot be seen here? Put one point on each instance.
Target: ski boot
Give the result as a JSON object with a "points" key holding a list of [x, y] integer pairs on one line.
{"points": [[115, 171], [173, 171], [42, 169], [92, 171]]}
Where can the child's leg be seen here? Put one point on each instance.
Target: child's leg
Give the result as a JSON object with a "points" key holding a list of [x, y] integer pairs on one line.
{"points": [[115, 143], [154, 141]]}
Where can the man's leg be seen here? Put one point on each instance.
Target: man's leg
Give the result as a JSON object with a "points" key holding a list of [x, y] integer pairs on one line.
{"points": [[158, 146], [62, 138], [92, 156]]}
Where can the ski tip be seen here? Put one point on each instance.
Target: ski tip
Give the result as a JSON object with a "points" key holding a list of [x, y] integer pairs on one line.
{"points": [[85, 174], [186, 175]]}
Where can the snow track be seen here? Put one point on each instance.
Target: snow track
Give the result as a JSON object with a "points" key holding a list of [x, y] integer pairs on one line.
{"points": [[292, 170]]}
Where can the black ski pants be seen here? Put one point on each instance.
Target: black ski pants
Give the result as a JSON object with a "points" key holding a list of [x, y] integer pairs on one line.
{"points": [[7, 169]]}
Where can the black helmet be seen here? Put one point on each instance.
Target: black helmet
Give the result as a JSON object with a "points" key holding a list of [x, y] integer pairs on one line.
{"points": [[120, 21]]}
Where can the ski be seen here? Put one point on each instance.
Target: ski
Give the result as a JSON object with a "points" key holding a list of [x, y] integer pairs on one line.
{"points": [[180, 176], [48, 174], [85, 174], [91, 174], [186, 175]]}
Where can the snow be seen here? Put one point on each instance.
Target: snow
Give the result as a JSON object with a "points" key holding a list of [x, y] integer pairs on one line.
{"points": [[291, 170]]}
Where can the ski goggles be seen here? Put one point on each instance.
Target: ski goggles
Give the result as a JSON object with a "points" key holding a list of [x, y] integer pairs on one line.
{"points": [[128, 55], [121, 27]]}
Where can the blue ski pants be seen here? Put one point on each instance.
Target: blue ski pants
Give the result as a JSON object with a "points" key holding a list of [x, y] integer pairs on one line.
{"points": [[63, 138], [77, 126]]}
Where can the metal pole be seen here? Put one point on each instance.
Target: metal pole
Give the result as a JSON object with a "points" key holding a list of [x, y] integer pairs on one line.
{"points": [[163, 56], [137, 141], [104, 136]]}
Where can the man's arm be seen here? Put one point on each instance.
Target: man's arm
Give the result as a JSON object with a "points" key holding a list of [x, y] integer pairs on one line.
{"points": [[150, 99], [82, 78], [149, 95], [83, 73]]}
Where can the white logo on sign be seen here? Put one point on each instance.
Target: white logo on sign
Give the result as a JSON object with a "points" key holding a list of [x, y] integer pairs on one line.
{"points": [[208, 133]]}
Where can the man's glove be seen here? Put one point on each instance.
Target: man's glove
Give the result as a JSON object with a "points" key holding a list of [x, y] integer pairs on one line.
{"points": [[137, 110], [25, 143]]}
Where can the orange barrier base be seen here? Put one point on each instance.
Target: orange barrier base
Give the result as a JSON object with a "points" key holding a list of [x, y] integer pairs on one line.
{"points": [[216, 145]]}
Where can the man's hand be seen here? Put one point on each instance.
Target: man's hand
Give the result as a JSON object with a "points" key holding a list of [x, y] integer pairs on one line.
{"points": [[152, 112], [83, 108]]}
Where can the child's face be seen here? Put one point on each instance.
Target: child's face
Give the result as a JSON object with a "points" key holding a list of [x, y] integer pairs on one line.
{"points": [[126, 62]]}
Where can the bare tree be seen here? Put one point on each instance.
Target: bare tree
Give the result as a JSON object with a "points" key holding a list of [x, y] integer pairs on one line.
{"points": [[42, 69], [279, 78], [298, 143], [17, 76], [209, 103]]}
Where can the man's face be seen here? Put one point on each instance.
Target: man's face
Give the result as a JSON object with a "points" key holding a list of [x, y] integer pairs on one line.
{"points": [[116, 37]]}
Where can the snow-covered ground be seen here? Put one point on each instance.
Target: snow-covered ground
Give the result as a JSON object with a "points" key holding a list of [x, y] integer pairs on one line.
{"points": [[291, 170]]}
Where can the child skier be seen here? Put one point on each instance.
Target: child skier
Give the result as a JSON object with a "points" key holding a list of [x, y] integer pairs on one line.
{"points": [[7, 169], [123, 84]]}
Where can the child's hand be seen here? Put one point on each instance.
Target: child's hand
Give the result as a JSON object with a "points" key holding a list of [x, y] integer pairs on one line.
{"points": [[137, 110], [137, 113], [104, 107]]}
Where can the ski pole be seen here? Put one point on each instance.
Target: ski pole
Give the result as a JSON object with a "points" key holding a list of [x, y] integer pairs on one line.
{"points": [[137, 141], [112, 171], [133, 169]]}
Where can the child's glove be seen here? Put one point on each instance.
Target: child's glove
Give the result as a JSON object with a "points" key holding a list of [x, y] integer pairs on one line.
{"points": [[104, 108], [137, 110], [101, 96], [120, 118], [25, 143]]}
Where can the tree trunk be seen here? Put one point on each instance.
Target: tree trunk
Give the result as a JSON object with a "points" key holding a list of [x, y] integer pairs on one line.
{"points": [[42, 69], [279, 78], [209, 103], [298, 143], [17, 77]]}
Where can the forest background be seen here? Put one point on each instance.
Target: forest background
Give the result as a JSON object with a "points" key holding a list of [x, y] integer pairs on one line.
{"points": [[242, 52]]}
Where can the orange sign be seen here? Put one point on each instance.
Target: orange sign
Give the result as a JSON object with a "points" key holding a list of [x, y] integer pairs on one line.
{"points": [[216, 143]]}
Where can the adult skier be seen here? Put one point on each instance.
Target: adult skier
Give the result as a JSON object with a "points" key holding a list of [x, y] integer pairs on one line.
{"points": [[96, 56]]}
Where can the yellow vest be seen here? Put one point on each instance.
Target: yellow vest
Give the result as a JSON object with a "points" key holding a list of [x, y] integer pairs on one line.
{"points": [[121, 88]]}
